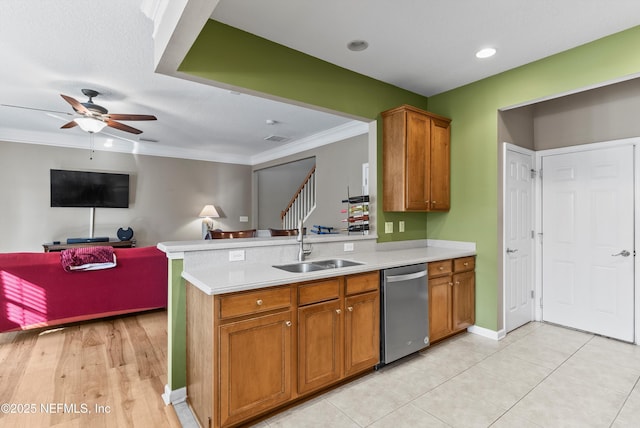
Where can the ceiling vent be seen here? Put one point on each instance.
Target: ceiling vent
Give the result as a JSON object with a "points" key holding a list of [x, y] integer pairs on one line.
{"points": [[276, 138]]}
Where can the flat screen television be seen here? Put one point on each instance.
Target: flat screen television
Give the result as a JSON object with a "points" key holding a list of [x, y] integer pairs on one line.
{"points": [[89, 189]]}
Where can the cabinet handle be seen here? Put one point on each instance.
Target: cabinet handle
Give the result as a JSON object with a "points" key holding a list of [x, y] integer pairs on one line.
{"points": [[451, 284], [350, 308], [338, 311], [259, 302], [288, 323], [466, 263], [457, 282], [441, 268]]}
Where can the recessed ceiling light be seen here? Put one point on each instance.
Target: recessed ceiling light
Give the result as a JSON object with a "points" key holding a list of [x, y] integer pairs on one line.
{"points": [[485, 53], [108, 142], [357, 45], [271, 122]]}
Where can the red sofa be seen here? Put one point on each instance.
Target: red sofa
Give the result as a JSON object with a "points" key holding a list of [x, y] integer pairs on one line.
{"points": [[36, 291]]}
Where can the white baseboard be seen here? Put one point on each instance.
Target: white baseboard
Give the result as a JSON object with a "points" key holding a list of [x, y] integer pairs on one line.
{"points": [[174, 396], [485, 332]]}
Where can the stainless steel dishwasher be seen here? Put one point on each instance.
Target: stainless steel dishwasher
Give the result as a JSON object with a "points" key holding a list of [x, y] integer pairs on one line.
{"points": [[404, 312]]}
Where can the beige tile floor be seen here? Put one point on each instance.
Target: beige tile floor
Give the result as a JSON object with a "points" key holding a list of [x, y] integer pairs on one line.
{"points": [[540, 375]]}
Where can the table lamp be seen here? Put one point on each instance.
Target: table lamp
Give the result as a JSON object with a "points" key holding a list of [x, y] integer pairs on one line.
{"points": [[208, 213]]}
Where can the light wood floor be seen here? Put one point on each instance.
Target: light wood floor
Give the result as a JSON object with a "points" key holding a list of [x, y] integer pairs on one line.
{"points": [[106, 373]]}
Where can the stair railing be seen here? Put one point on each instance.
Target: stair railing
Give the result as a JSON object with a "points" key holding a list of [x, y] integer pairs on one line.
{"points": [[302, 203]]}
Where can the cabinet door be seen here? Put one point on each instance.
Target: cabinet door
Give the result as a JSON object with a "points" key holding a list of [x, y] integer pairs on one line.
{"points": [[417, 162], [440, 307], [440, 166], [362, 332], [255, 366], [464, 306], [320, 345]]}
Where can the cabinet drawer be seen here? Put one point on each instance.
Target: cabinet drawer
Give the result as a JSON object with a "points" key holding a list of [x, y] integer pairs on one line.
{"points": [[254, 302], [464, 264], [442, 267], [360, 283], [318, 291]]}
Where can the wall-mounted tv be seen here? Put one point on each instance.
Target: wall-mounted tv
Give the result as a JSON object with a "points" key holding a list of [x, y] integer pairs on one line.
{"points": [[89, 189]]}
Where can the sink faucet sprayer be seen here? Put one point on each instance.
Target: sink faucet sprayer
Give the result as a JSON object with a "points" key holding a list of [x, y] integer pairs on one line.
{"points": [[302, 252]]}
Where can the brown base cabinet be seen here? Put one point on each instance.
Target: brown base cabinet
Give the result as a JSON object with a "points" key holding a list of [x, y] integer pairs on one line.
{"points": [[250, 353], [451, 296], [362, 332], [320, 341], [255, 354]]}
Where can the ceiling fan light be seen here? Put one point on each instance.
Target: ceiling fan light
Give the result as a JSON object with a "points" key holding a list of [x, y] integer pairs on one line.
{"points": [[90, 125]]}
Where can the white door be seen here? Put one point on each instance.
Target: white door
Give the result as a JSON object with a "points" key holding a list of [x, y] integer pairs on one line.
{"points": [[518, 239], [588, 241]]}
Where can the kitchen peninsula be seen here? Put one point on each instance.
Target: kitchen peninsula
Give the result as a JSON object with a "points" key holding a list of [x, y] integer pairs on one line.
{"points": [[259, 338]]}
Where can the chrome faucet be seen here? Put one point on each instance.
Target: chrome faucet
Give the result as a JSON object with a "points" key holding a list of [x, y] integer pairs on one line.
{"points": [[302, 252]]}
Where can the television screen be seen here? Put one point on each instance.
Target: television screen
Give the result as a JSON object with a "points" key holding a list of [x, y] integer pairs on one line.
{"points": [[89, 189]]}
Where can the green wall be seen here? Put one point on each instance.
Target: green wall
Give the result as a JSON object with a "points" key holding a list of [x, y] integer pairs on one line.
{"points": [[230, 56], [225, 54], [474, 108], [177, 334]]}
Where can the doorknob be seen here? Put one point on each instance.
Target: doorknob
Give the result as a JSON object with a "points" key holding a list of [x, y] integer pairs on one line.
{"points": [[623, 253], [509, 250]]}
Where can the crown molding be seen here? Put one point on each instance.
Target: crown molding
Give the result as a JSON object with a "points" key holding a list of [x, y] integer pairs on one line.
{"points": [[125, 145]]}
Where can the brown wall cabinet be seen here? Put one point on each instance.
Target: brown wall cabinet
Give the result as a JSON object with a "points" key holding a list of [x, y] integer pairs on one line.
{"points": [[416, 160], [451, 296], [249, 353]]}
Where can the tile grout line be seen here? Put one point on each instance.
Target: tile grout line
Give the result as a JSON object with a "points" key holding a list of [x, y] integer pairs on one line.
{"points": [[625, 402], [538, 384]]}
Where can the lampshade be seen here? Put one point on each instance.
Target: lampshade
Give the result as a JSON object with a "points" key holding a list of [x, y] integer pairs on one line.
{"points": [[209, 211], [89, 124]]}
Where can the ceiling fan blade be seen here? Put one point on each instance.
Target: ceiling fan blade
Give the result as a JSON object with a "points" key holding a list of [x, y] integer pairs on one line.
{"points": [[38, 109], [69, 125], [75, 104], [130, 117], [122, 126]]}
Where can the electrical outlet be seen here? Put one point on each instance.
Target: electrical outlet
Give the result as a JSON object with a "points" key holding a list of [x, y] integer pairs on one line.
{"points": [[401, 226], [388, 227], [236, 255], [348, 246]]}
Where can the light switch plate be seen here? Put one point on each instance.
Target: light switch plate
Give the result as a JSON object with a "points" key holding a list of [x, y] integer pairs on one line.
{"points": [[401, 226], [236, 255], [388, 227], [348, 246], [244, 218]]}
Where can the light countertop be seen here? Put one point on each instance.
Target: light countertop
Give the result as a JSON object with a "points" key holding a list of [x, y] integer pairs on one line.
{"points": [[239, 276], [216, 244]]}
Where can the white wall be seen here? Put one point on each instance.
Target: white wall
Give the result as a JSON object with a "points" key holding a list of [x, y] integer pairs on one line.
{"points": [[166, 197], [276, 187], [338, 165]]}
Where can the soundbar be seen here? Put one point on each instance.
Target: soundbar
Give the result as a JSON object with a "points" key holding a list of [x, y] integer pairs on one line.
{"points": [[87, 240]]}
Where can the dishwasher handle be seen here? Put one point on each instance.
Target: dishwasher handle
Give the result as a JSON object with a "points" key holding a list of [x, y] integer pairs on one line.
{"points": [[406, 277]]}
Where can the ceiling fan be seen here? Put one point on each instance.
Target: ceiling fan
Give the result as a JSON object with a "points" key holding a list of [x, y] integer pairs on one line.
{"points": [[94, 117]]}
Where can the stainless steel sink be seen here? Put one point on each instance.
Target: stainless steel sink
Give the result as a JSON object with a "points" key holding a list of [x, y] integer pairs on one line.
{"points": [[300, 267], [317, 265], [336, 263]]}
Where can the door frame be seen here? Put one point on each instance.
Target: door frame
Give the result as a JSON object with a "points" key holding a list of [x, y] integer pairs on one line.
{"points": [[635, 142], [534, 250]]}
